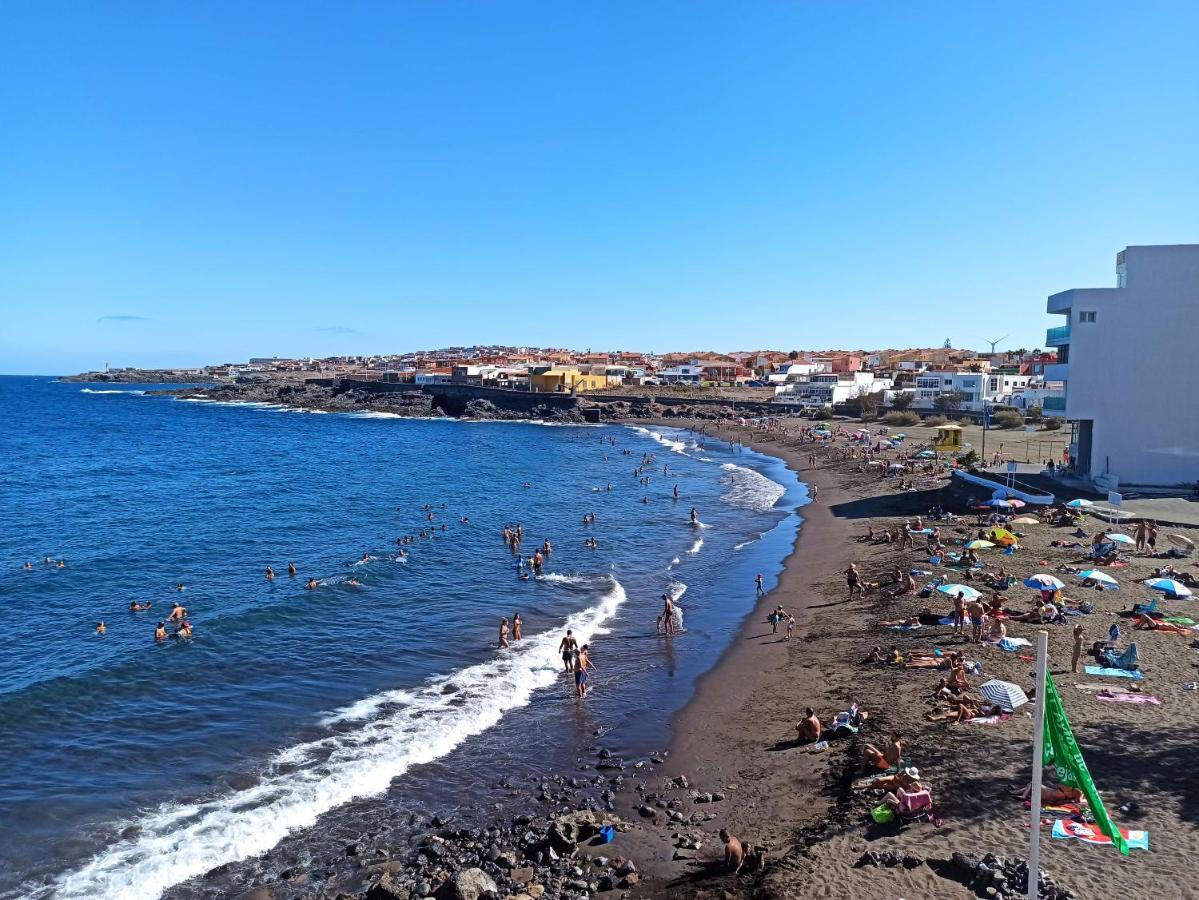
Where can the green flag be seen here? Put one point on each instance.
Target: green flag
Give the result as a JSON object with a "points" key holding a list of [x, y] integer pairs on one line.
{"points": [[1061, 752]]}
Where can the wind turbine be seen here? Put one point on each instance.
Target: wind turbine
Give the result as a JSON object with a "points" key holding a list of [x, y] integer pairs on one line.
{"points": [[995, 342]]}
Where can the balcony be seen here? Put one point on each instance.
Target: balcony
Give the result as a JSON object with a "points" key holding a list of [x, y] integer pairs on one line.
{"points": [[1057, 337], [1054, 405], [1057, 372]]}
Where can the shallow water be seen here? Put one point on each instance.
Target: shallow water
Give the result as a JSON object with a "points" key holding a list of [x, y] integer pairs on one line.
{"points": [[128, 767]]}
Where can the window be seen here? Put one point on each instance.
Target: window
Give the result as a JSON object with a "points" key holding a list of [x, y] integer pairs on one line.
{"points": [[994, 384], [1086, 315]]}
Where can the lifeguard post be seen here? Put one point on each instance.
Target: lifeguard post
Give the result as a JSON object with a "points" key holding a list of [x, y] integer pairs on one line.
{"points": [[949, 438]]}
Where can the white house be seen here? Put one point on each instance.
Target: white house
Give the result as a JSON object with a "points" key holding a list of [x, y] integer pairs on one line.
{"points": [[828, 388], [1124, 354], [691, 374]]}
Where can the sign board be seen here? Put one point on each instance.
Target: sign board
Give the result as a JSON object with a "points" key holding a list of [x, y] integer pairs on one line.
{"points": [[1114, 499]]}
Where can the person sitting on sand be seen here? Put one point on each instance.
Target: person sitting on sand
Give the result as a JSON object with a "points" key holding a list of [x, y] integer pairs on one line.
{"points": [[734, 853], [907, 779], [876, 655], [809, 728], [996, 631], [873, 758]]}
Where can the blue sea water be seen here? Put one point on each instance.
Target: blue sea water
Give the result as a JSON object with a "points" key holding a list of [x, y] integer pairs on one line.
{"points": [[129, 768]]}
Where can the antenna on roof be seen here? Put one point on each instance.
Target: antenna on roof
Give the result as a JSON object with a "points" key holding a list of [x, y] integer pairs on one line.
{"points": [[996, 342]]}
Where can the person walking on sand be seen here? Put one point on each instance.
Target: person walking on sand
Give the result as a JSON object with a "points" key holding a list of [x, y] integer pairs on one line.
{"points": [[567, 647], [582, 665], [790, 627], [853, 579], [1141, 534], [976, 611], [758, 584], [1151, 538], [504, 634], [1076, 653]]}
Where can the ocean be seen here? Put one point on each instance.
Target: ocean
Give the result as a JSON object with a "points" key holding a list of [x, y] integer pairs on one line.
{"points": [[130, 768]]}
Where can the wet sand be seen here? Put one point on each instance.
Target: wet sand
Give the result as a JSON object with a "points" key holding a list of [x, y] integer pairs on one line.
{"points": [[736, 735]]}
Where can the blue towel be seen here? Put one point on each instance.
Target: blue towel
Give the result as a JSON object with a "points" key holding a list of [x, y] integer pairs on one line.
{"points": [[1113, 673]]}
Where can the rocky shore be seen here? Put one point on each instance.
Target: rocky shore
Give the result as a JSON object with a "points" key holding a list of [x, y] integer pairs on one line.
{"points": [[457, 401]]}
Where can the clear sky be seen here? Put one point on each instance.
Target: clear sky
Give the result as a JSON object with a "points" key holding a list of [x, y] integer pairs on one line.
{"points": [[184, 183]]}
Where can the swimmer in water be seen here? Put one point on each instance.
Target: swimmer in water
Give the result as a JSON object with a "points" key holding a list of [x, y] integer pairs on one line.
{"points": [[28, 567], [178, 612], [160, 633], [311, 584], [62, 564], [516, 626], [180, 586], [100, 629], [366, 557], [134, 606], [694, 516], [353, 582], [46, 561], [291, 569], [270, 574], [676, 492], [184, 630], [504, 634]]}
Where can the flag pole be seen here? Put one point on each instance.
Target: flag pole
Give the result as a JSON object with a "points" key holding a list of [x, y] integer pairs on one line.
{"points": [[1038, 750]]}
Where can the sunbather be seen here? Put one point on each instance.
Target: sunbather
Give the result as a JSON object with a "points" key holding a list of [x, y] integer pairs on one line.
{"points": [[874, 758]]}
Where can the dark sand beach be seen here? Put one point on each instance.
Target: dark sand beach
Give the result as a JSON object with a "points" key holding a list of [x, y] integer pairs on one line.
{"points": [[737, 735]]}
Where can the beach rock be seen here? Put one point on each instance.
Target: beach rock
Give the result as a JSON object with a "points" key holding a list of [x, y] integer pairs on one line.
{"points": [[522, 875], [680, 782], [388, 889], [630, 880], [469, 884]]}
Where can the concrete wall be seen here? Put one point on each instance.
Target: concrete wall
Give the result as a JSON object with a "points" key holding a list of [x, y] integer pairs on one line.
{"points": [[1130, 370]]}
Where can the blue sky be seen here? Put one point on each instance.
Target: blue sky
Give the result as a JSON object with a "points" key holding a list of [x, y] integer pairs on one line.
{"points": [[188, 183]]}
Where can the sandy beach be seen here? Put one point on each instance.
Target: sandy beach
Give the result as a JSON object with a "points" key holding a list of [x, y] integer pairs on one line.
{"points": [[737, 736]]}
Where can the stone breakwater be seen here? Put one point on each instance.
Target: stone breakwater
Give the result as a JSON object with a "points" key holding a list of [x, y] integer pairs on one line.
{"points": [[464, 401]]}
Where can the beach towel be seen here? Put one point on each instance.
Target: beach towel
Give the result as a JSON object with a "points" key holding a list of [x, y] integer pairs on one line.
{"points": [[986, 720], [904, 627], [1066, 829], [1012, 644], [1113, 673], [947, 620], [1130, 698], [1179, 620]]}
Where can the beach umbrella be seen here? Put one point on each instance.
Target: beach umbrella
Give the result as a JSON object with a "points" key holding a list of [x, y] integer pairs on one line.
{"points": [[1004, 694], [1026, 520], [1043, 583], [1101, 577], [1120, 538], [895, 466], [978, 545], [1179, 541], [1016, 502], [1079, 503], [1169, 586], [999, 504], [952, 589]]}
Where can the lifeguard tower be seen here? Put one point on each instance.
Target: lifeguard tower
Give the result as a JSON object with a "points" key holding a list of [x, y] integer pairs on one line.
{"points": [[949, 438]]}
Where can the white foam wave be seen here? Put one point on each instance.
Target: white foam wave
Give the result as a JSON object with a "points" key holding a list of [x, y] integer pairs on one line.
{"points": [[676, 590], [91, 391], [751, 490], [676, 446], [699, 542], [743, 544], [177, 842], [558, 578], [363, 709]]}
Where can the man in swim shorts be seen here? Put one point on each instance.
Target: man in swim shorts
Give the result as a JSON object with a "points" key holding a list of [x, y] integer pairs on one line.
{"points": [[567, 647], [582, 664]]}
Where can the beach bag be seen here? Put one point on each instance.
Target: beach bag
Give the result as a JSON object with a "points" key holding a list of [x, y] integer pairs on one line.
{"points": [[882, 814]]}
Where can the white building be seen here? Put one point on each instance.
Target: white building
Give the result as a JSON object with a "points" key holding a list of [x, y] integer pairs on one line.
{"points": [[1124, 354], [977, 388], [826, 389], [691, 374]]}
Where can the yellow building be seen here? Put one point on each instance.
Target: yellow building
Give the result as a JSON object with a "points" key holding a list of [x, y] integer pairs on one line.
{"points": [[565, 381]]}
